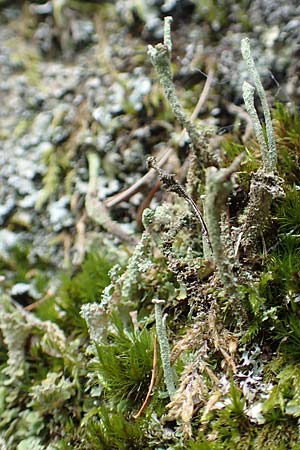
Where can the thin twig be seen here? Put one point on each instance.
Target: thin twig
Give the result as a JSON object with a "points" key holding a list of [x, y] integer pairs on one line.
{"points": [[163, 158], [242, 114], [118, 198], [67, 240], [204, 95], [39, 302], [146, 203], [152, 381], [96, 209], [80, 239]]}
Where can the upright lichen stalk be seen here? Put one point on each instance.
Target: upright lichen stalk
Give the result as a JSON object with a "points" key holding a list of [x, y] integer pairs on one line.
{"points": [[219, 185], [265, 183], [160, 56], [165, 352], [268, 148], [248, 94]]}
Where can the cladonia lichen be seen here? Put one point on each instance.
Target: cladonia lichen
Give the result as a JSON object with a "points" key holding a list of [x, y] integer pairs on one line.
{"points": [[268, 148], [164, 346]]}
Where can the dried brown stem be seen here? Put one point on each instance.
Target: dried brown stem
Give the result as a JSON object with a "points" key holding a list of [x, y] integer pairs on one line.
{"points": [[96, 209], [238, 111], [146, 203]]}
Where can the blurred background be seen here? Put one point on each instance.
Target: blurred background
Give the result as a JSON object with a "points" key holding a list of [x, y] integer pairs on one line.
{"points": [[75, 78]]}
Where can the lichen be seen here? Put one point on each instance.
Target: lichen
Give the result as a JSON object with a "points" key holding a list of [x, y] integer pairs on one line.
{"points": [[79, 355], [17, 325], [268, 148], [160, 323], [160, 56]]}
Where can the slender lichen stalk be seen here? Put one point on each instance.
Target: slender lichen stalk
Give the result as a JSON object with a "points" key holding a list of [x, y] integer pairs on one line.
{"points": [[94, 165], [268, 149], [160, 56], [58, 8], [165, 352], [218, 187], [265, 185], [248, 94]]}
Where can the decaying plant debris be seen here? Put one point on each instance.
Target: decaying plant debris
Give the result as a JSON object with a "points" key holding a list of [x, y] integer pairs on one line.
{"points": [[184, 335]]}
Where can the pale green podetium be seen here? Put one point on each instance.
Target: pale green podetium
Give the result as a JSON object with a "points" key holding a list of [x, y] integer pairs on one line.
{"points": [[219, 185], [164, 346], [268, 145], [160, 56]]}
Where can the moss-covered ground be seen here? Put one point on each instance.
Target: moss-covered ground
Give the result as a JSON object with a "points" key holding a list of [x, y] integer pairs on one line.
{"points": [[167, 318]]}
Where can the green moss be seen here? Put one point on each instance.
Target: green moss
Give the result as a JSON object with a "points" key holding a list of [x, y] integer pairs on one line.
{"points": [[288, 213], [18, 261], [217, 14], [86, 286], [285, 396], [51, 181], [232, 423], [287, 131], [125, 364], [54, 371], [21, 128], [28, 59], [280, 435], [285, 268], [112, 431]]}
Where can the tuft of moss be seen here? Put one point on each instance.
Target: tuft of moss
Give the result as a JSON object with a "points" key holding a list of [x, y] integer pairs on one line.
{"points": [[85, 286], [112, 431], [125, 363]]}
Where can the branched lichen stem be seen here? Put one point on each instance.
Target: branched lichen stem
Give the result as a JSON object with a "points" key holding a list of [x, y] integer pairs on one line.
{"points": [[266, 185], [152, 381]]}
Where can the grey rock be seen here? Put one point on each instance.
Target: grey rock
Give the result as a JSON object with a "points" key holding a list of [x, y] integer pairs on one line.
{"points": [[59, 135], [6, 208], [8, 239], [59, 214], [82, 32], [41, 124], [29, 201]]}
